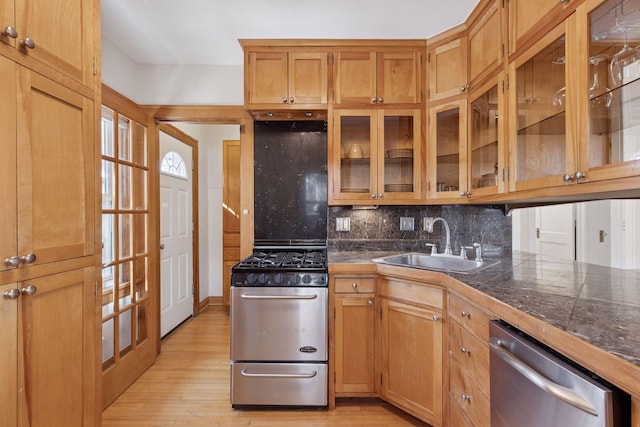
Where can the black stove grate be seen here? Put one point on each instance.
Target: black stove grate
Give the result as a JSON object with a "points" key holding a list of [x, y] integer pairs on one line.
{"points": [[313, 259]]}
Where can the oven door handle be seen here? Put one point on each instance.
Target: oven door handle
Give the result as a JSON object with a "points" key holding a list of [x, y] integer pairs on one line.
{"points": [[556, 390], [244, 373], [303, 297]]}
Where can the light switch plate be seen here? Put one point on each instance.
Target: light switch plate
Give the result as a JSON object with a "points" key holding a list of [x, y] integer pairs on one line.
{"points": [[406, 223], [343, 224]]}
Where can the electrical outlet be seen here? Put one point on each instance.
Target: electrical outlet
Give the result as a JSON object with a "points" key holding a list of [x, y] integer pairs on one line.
{"points": [[343, 224], [427, 224], [406, 223]]}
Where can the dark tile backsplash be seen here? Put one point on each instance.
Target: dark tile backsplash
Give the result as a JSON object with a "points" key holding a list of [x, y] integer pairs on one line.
{"points": [[379, 229]]}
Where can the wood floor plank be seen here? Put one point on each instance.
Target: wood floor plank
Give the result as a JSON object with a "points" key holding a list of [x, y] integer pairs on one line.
{"points": [[189, 386]]}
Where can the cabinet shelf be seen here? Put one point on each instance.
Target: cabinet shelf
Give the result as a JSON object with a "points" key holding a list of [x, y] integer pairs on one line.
{"points": [[552, 125]]}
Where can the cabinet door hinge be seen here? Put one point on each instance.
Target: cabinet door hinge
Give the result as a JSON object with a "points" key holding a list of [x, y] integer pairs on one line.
{"points": [[503, 50], [95, 66], [334, 312], [507, 81], [429, 57], [241, 128], [380, 378]]}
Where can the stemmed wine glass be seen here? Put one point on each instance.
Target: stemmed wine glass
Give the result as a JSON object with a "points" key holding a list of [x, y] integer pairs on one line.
{"points": [[625, 64], [561, 94], [600, 96]]}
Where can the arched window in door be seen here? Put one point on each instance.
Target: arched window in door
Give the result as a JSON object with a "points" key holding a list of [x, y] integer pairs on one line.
{"points": [[173, 164]]}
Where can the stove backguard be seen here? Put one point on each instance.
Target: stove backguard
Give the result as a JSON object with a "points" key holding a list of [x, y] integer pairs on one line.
{"points": [[290, 183]]}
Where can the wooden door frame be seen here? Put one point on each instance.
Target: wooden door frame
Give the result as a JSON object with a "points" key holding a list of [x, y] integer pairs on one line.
{"points": [[195, 241]]}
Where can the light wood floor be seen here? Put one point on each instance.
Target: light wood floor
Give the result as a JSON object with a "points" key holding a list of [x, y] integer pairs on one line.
{"points": [[189, 386]]}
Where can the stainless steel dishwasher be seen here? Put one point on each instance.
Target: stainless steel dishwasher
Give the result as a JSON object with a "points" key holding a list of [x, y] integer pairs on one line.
{"points": [[532, 385]]}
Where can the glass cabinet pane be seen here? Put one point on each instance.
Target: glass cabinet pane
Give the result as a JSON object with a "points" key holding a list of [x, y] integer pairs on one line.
{"points": [[541, 103], [355, 152], [448, 150], [614, 87], [398, 153], [124, 138], [483, 150]]}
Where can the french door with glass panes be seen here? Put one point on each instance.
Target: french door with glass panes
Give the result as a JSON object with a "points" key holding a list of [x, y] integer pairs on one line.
{"points": [[128, 344]]}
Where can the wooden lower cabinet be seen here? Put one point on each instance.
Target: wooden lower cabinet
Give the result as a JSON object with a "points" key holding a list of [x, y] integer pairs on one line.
{"points": [[411, 352], [354, 336], [48, 354]]}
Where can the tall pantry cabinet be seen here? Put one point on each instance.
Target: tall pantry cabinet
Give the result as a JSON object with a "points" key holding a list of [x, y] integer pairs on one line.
{"points": [[49, 245]]}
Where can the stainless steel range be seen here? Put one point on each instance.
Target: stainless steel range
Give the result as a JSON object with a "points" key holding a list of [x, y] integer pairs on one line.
{"points": [[279, 321], [279, 295]]}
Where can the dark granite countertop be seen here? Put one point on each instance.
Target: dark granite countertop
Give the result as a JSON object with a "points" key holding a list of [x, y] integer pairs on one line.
{"points": [[598, 304]]}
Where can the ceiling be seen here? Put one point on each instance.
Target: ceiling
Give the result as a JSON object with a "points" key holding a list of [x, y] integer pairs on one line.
{"points": [[206, 32]]}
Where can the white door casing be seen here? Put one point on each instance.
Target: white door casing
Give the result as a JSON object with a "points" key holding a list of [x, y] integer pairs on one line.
{"points": [[176, 234], [555, 231]]}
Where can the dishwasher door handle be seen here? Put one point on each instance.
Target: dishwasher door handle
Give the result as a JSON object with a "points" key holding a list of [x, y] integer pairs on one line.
{"points": [[244, 373], [303, 297], [565, 394]]}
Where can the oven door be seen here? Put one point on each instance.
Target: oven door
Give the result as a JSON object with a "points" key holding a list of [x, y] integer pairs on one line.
{"points": [[280, 324]]}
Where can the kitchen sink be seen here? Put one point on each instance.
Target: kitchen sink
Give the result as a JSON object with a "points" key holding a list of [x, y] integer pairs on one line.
{"points": [[450, 264]]}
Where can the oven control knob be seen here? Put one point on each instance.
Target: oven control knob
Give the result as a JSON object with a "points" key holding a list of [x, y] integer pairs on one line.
{"points": [[278, 278], [251, 278], [263, 278], [295, 279], [306, 278]]}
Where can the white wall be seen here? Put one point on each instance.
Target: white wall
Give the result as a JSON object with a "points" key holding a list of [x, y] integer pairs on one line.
{"points": [[210, 180], [171, 84]]}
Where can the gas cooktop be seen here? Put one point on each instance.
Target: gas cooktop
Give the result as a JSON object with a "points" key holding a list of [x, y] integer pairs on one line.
{"points": [[284, 260], [282, 268]]}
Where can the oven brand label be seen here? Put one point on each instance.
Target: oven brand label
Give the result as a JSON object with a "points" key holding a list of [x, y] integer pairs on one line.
{"points": [[308, 349]]}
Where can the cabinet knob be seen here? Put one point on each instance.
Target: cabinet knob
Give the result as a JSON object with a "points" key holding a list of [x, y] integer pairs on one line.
{"points": [[465, 194], [465, 314], [13, 261], [28, 43], [291, 100], [11, 294], [381, 196], [9, 31], [464, 350], [436, 318], [579, 175], [284, 99], [373, 195], [564, 1], [28, 259], [380, 100], [567, 178], [463, 88], [354, 285], [369, 302], [373, 100], [28, 290], [465, 397]]}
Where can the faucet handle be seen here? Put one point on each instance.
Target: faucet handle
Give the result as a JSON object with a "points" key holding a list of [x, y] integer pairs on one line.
{"points": [[434, 248], [478, 249], [463, 251]]}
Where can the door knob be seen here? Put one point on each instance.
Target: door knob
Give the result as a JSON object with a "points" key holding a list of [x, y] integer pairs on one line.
{"points": [[161, 246]]}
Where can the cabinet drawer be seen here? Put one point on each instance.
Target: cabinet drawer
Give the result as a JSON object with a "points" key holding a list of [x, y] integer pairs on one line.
{"points": [[470, 317], [471, 354], [412, 293], [457, 417], [354, 285], [467, 394]]}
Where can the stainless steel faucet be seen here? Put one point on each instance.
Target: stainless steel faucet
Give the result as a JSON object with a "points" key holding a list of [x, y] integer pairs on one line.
{"points": [[428, 227]]}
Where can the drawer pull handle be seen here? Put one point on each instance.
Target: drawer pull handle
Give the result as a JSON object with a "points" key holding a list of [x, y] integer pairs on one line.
{"points": [[465, 397], [465, 314], [465, 350], [436, 318], [244, 373]]}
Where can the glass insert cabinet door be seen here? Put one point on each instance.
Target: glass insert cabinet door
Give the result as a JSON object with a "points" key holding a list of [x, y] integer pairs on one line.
{"points": [[612, 101], [541, 149], [378, 153]]}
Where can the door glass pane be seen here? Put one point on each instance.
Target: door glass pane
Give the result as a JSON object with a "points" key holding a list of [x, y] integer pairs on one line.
{"points": [[139, 136], [126, 236], [108, 184], [125, 196], [139, 188], [141, 266], [355, 162], [140, 234], [398, 154], [614, 92], [448, 150], [124, 325], [107, 132], [541, 103], [141, 311], [124, 138], [484, 140], [108, 344]]}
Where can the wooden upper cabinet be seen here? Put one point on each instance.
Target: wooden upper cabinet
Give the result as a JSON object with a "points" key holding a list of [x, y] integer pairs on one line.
{"points": [[448, 68], [56, 168], [378, 78], [287, 78], [485, 43], [38, 35], [530, 20]]}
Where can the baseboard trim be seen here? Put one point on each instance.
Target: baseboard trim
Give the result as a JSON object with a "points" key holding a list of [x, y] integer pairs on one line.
{"points": [[210, 301]]}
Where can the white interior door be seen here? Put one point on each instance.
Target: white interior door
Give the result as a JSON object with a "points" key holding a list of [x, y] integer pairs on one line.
{"points": [[594, 232], [176, 233], [555, 231]]}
